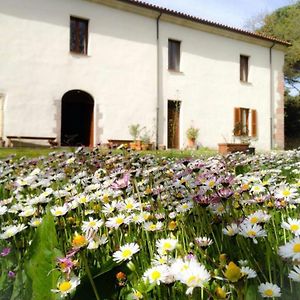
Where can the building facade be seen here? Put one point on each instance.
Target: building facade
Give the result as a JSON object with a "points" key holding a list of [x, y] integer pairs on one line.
{"points": [[83, 71]]}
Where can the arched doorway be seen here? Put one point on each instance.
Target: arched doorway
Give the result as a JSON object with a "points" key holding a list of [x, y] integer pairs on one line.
{"points": [[77, 119]]}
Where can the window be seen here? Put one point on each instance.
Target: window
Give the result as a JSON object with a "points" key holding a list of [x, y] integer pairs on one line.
{"points": [[244, 68], [174, 55], [78, 35], [242, 124]]}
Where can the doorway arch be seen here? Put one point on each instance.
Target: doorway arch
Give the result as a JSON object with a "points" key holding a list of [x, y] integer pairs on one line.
{"points": [[77, 114]]}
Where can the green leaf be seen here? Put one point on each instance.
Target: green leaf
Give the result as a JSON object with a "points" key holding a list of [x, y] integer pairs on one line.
{"points": [[251, 292], [22, 288], [40, 265]]}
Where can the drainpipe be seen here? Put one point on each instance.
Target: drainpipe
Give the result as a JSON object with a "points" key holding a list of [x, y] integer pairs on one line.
{"points": [[158, 88], [271, 99]]}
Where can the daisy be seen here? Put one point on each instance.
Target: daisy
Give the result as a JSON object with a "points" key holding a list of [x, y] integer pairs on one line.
{"points": [[286, 192], [248, 272], [166, 245], [252, 231], [27, 211], [65, 287], [35, 222], [184, 207], [129, 204], [203, 241], [116, 222], [79, 241], [126, 252], [258, 217], [150, 226], [92, 224], [291, 249], [293, 225], [157, 274], [11, 231], [3, 210], [257, 189], [295, 274], [97, 241], [231, 229], [269, 290], [59, 210], [109, 208]]}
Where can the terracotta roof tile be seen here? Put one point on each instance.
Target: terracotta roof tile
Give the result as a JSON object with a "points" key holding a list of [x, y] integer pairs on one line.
{"points": [[204, 21]]}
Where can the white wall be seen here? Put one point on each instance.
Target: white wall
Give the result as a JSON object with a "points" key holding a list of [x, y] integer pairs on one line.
{"points": [[209, 84], [37, 67], [120, 73]]}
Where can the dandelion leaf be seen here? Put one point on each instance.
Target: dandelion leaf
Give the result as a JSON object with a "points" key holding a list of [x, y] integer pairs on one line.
{"points": [[40, 265]]}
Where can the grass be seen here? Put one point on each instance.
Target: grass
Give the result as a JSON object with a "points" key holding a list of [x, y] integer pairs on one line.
{"points": [[29, 152], [36, 152]]}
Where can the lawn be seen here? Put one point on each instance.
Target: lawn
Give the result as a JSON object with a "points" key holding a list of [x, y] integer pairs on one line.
{"points": [[125, 225]]}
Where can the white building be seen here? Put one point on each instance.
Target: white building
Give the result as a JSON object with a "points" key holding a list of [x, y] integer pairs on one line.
{"points": [[82, 71]]}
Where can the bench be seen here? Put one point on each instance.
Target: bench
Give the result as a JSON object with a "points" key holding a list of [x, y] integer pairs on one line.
{"points": [[51, 140], [116, 143]]}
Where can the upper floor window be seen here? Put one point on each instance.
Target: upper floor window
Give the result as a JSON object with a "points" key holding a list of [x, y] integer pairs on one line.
{"points": [[244, 122], [78, 35], [244, 68], [174, 55]]}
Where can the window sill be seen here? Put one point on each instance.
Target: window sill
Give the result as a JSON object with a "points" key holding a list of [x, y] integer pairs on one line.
{"points": [[78, 54], [246, 83], [175, 72]]}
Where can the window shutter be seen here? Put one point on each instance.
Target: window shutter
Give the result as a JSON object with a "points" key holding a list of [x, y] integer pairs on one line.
{"points": [[237, 122], [253, 123]]}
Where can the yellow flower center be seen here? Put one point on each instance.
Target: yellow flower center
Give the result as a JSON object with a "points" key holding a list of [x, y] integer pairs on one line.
{"points": [[105, 198], [119, 220], [191, 280], [269, 292], [296, 248], [65, 286], [152, 227], [155, 275], [251, 233], [211, 184], [129, 206], [92, 223], [79, 241], [126, 253], [82, 200], [220, 293], [254, 220], [172, 225], [58, 213], [167, 246], [286, 193], [294, 227]]}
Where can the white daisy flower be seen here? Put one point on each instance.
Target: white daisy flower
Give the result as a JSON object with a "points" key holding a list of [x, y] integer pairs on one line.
{"points": [[252, 231], [65, 287], [27, 211], [258, 217], [203, 241], [291, 249], [286, 192], [109, 208], [184, 207], [11, 230], [295, 274], [231, 229], [59, 210], [160, 260], [292, 225], [129, 204], [92, 224], [3, 210], [166, 245], [157, 274], [150, 226], [248, 272], [269, 290], [126, 252], [35, 222], [116, 222], [257, 188]]}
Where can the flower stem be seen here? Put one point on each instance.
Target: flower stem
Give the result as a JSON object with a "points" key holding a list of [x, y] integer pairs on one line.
{"points": [[88, 272]]}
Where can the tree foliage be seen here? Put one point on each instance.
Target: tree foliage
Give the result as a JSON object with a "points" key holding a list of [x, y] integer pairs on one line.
{"points": [[284, 23]]}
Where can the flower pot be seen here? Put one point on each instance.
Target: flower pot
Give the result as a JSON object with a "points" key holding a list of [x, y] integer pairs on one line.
{"points": [[192, 143]]}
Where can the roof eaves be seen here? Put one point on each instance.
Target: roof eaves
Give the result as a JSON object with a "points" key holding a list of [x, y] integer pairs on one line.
{"points": [[203, 21]]}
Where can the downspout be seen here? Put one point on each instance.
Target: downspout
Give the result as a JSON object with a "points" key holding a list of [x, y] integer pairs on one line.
{"points": [[158, 88], [271, 99]]}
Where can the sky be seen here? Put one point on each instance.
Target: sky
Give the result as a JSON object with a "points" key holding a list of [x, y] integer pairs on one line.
{"points": [[228, 12]]}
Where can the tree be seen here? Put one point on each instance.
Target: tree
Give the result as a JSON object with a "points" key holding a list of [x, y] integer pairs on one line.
{"points": [[284, 23]]}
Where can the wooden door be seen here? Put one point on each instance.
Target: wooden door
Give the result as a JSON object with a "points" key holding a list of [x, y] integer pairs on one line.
{"points": [[173, 124]]}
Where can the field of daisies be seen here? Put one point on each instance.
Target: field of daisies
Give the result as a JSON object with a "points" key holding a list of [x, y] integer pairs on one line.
{"points": [[95, 225]]}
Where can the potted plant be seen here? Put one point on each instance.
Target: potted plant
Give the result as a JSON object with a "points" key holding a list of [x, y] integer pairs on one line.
{"points": [[192, 134], [134, 131], [145, 138], [241, 132]]}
